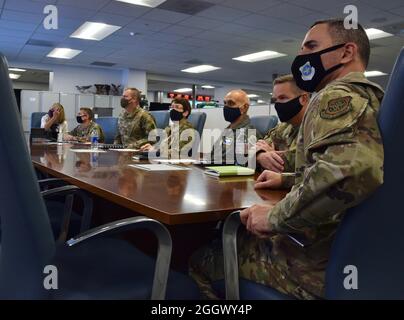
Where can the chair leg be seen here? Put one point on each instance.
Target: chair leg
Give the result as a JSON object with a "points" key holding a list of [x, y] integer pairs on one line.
{"points": [[231, 275]]}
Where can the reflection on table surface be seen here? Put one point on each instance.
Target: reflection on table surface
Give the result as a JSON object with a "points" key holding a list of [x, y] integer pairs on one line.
{"points": [[172, 197]]}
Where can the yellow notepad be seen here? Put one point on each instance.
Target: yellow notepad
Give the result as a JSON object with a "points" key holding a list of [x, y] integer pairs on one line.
{"points": [[228, 171]]}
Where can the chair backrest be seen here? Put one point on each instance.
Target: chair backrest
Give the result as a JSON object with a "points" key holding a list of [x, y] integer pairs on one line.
{"points": [[36, 119], [161, 117], [198, 120], [27, 243], [264, 123], [371, 235], [110, 127]]}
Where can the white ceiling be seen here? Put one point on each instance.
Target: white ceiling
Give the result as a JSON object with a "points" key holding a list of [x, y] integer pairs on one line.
{"points": [[164, 40]]}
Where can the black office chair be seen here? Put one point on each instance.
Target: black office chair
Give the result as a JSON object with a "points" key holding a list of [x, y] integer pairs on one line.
{"points": [[91, 265], [370, 236]]}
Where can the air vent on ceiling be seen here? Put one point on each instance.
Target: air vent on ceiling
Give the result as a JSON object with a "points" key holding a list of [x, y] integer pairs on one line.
{"points": [[263, 82], [102, 64], [191, 7], [41, 43], [194, 61]]}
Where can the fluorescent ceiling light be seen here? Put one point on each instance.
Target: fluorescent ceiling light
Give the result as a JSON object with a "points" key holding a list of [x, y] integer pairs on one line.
{"points": [[208, 87], [63, 53], [374, 73], [260, 101], [94, 31], [146, 3], [200, 69], [183, 90], [373, 33], [252, 95], [14, 76], [259, 56], [17, 69]]}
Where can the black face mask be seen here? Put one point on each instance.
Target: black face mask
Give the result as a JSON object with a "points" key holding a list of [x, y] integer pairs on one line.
{"points": [[50, 113], [124, 103], [308, 70], [79, 119], [287, 110], [231, 114], [175, 115]]}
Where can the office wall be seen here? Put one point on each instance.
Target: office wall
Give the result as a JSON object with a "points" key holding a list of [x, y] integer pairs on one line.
{"points": [[66, 78], [30, 86]]}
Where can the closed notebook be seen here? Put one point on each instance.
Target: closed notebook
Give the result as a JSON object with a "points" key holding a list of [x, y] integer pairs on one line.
{"points": [[228, 171]]}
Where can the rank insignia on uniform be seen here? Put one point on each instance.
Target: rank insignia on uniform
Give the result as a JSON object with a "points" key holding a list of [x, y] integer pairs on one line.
{"points": [[336, 108]]}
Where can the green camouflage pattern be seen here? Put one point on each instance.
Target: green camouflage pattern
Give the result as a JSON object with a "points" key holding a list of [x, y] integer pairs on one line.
{"points": [[134, 128], [179, 135], [83, 133], [339, 162], [283, 137], [230, 133]]}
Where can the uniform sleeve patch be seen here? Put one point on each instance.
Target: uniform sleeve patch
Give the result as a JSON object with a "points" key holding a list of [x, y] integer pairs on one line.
{"points": [[336, 108]]}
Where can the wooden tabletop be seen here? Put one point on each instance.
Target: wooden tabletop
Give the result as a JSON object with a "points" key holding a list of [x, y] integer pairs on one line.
{"points": [[172, 197]]}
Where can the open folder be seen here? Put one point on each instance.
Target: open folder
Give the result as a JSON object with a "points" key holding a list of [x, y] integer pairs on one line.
{"points": [[229, 171]]}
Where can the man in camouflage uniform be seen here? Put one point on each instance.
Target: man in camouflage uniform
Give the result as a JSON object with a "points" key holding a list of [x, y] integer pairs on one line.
{"points": [[134, 123], [277, 150], [235, 111], [178, 135], [86, 126], [339, 161]]}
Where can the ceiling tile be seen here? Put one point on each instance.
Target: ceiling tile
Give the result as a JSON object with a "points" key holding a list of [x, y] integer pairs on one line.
{"points": [[286, 10], [182, 30], [125, 9], [251, 5], [201, 22], [165, 16], [222, 13]]}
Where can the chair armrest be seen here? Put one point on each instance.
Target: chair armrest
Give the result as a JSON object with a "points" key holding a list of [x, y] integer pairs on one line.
{"points": [[59, 191], [164, 246], [45, 183], [230, 258], [70, 192]]}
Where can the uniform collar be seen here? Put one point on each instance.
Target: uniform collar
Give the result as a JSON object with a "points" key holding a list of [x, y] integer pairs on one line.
{"points": [[359, 78], [242, 122]]}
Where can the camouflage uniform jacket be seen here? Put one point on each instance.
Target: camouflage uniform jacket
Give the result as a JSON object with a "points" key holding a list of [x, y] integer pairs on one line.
{"points": [[226, 140], [339, 162], [283, 138], [134, 128], [83, 133], [174, 142]]}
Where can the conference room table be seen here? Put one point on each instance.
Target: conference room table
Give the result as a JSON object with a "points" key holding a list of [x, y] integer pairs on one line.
{"points": [[171, 197], [189, 202]]}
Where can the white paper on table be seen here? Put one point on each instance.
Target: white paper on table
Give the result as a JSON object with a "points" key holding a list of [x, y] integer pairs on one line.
{"points": [[175, 161], [125, 150], [158, 167], [87, 151]]}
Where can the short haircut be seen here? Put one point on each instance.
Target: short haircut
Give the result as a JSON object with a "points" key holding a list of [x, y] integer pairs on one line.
{"points": [[135, 94], [89, 112], [341, 35], [185, 104], [288, 78]]}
